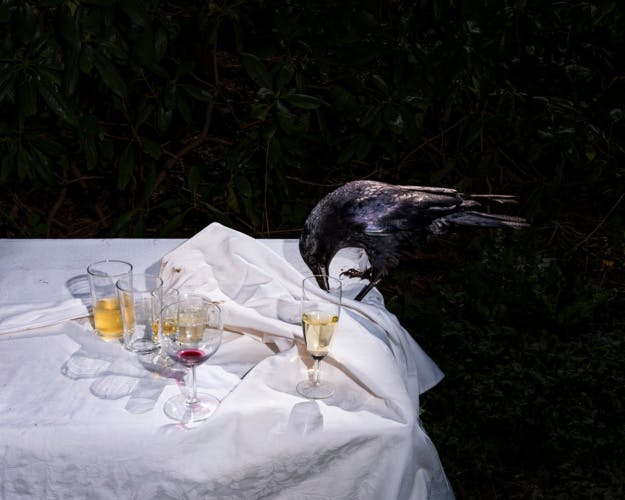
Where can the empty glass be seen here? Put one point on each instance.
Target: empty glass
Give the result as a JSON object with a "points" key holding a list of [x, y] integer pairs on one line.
{"points": [[140, 300]]}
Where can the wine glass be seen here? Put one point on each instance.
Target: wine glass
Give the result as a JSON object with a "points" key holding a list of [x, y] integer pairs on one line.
{"points": [[162, 326], [194, 331], [320, 315]]}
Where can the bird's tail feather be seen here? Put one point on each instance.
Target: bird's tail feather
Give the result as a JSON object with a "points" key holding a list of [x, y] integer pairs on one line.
{"points": [[496, 198], [470, 218], [479, 219]]}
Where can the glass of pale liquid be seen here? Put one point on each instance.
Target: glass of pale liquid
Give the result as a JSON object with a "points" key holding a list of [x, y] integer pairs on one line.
{"points": [[107, 317], [320, 316], [140, 300], [163, 326]]}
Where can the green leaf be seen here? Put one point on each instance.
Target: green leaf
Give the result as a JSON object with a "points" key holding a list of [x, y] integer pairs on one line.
{"points": [[55, 101], [184, 68], [231, 198], [144, 47], [163, 120], [86, 59], [110, 75], [107, 149], [303, 101], [72, 72], [284, 76], [273, 155], [183, 108], [8, 167], [358, 148], [40, 163], [67, 28], [48, 145], [172, 225], [91, 152], [285, 118], [160, 44], [381, 84], [126, 166], [22, 163], [243, 187], [260, 111], [197, 93], [475, 131], [27, 97], [169, 97], [256, 69], [7, 82], [25, 22], [151, 148], [136, 10], [144, 110], [5, 15]]}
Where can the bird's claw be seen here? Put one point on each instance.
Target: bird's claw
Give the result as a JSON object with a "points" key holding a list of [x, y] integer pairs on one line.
{"points": [[357, 273]]}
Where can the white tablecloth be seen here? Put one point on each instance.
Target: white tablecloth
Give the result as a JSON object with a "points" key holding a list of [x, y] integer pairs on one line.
{"points": [[83, 418]]}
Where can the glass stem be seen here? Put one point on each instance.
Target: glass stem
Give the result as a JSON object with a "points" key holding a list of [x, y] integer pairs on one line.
{"points": [[316, 369], [193, 397]]}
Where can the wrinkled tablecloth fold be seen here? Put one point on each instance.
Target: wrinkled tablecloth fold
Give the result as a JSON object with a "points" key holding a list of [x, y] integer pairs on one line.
{"points": [[260, 293]]}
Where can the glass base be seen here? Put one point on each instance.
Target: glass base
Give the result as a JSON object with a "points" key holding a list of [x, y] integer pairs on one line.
{"points": [[111, 337], [311, 390], [143, 346], [177, 408]]}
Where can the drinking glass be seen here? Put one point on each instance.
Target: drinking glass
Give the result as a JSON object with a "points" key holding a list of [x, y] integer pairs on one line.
{"points": [[320, 316], [107, 317], [195, 331], [140, 301], [163, 325]]}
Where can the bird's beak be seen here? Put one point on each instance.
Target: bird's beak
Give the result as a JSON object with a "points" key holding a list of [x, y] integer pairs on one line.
{"points": [[322, 277]]}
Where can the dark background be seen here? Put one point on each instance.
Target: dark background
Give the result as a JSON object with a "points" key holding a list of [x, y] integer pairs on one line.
{"points": [[154, 118]]}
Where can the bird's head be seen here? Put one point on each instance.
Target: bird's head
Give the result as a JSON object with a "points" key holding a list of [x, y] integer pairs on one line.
{"points": [[316, 252]]}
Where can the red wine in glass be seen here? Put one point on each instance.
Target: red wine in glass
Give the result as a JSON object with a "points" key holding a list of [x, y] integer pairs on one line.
{"points": [[191, 357]]}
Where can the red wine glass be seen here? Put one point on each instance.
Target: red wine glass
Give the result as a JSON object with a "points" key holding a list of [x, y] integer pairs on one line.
{"points": [[195, 332]]}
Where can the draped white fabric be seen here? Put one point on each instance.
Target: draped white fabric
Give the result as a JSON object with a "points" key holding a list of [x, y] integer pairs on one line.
{"points": [[82, 418]]}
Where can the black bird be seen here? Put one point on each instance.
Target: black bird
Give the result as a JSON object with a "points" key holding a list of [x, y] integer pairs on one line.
{"points": [[389, 222]]}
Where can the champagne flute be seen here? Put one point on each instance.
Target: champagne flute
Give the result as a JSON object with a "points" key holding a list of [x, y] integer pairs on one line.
{"points": [[195, 331], [320, 315]]}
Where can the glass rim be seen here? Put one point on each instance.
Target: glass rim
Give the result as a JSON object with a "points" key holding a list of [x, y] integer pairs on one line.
{"points": [[91, 268], [212, 308], [207, 301], [338, 283], [129, 284]]}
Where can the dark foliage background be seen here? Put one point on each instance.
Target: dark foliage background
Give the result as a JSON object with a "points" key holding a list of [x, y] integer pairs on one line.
{"points": [[149, 118]]}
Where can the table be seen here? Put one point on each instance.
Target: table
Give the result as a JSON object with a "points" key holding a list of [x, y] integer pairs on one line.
{"points": [[83, 418]]}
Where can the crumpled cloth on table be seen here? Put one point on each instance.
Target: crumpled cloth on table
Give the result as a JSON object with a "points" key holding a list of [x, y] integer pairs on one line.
{"points": [[17, 317], [260, 292], [371, 353], [76, 407]]}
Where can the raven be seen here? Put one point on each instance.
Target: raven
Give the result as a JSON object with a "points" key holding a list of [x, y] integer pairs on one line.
{"points": [[389, 222]]}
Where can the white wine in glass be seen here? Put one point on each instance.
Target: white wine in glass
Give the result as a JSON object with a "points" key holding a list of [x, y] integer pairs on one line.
{"points": [[320, 316]]}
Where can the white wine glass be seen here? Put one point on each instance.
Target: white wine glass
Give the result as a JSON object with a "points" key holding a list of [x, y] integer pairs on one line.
{"points": [[195, 330], [162, 326], [320, 315]]}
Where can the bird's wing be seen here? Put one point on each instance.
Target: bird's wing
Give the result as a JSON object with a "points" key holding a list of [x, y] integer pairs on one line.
{"points": [[390, 209], [475, 219]]}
